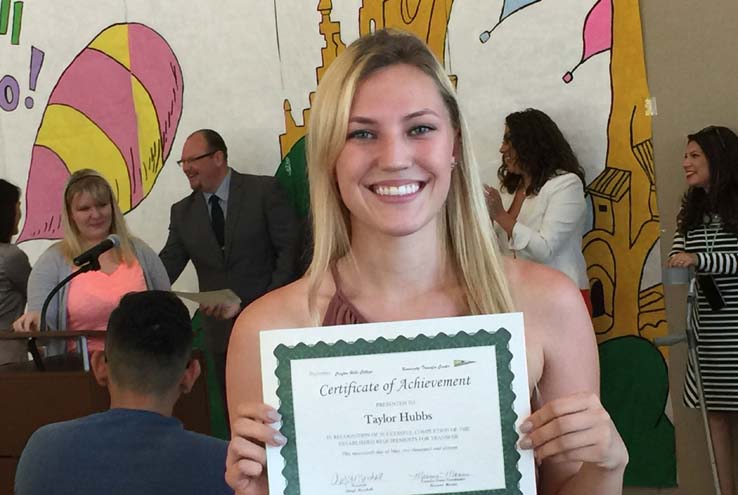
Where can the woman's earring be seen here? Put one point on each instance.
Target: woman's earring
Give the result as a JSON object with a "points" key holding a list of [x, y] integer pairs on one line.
{"points": [[453, 163]]}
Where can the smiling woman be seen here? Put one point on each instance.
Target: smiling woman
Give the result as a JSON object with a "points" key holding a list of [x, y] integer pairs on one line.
{"points": [[394, 171], [89, 214], [707, 240], [401, 232]]}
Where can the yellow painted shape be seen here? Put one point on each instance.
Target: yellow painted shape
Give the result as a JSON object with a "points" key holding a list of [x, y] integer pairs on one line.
{"points": [[629, 225], [81, 144], [149, 137], [427, 19], [114, 42]]}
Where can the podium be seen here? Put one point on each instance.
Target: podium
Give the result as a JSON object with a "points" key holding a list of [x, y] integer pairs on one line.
{"points": [[30, 398]]}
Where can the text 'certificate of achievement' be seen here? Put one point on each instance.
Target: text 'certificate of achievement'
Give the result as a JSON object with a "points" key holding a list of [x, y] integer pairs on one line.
{"points": [[399, 408]]}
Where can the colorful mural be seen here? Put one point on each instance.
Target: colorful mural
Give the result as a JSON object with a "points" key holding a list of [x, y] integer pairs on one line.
{"points": [[114, 109], [509, 7], [108, 93]]}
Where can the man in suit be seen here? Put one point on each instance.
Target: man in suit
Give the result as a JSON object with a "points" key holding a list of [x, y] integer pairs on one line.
{"points": [[239, 231]]}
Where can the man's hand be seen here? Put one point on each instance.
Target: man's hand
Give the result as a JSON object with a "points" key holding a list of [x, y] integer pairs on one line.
{"points": [[224, 311]]}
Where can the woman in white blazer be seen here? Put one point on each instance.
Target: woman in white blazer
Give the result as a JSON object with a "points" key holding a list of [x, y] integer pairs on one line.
{"points": [[539, 212]]}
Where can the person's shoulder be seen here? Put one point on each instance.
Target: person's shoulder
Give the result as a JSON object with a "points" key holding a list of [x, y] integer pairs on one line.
{"points": [[52, 255], [563, 179], [12, 252], [285, 307], [253, 179], [142, 248], [138, 243], [202, 459], [185, 202], [552, 305], [538, 288], [58, 434], [205, 443]]}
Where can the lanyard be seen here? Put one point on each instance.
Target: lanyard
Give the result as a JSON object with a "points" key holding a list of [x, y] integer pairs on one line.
{"points": [[710, 244]]}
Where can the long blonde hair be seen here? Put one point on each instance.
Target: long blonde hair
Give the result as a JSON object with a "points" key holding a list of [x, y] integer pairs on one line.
{"points": [[89, 181], [469, 236]]}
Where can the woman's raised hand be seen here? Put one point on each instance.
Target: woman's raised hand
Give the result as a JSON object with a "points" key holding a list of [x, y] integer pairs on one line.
{"points": [[494, 201]]}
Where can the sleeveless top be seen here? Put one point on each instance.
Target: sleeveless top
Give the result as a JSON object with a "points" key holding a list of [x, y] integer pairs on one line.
{"points": [[340, 310]]}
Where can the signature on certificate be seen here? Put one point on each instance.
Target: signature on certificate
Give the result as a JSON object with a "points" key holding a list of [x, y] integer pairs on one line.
{"points": [[444, 477], [356, 479]]}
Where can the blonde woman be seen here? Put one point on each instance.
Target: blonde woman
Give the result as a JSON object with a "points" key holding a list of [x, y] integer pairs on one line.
{"points": [[401, 232], [90, 213]]}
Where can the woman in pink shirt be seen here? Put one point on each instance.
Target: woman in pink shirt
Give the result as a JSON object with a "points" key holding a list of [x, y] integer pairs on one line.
{"points": [[89, 215]]}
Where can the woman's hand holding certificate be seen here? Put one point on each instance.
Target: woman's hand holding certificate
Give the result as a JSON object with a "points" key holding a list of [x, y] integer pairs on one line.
{"points": [[575, 428], [246, 460]]}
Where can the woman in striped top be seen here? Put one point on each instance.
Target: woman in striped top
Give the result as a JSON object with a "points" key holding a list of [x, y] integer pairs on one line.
{"points": [[706, 239]]}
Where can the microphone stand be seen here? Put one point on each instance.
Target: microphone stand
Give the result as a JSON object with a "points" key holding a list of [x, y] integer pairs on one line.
{"points": [[92, 265], [691, 338]]}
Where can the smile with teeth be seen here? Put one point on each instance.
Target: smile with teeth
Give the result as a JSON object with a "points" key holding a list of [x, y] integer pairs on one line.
{"points": [[403, 190]]}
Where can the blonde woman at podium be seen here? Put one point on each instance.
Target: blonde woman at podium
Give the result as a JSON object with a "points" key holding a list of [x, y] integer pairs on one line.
{"points": [[90, 214]]}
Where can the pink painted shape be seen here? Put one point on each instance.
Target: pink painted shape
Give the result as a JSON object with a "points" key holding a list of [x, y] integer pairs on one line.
{"points": [[153, 62], [598, 29], [99, 87], [44, 196]]}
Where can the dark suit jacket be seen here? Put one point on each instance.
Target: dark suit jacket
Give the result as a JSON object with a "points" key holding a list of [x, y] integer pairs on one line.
{"points": [[262, 244]]}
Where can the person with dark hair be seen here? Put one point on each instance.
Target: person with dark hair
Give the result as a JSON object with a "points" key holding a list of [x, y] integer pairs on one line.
{"points": [[238, 230], [89, 213], [14, 271], [539, 212], [136, 446], [707, 240]]}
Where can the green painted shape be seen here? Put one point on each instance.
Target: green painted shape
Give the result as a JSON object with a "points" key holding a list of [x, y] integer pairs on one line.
{"points": [[635, 386], [218, 427], [17, 18], [4, 16], [292, 175], [499, 339]]}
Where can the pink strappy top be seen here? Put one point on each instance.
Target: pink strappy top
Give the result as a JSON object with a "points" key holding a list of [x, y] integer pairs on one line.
{"points": [[340, 310], [94, 295]]}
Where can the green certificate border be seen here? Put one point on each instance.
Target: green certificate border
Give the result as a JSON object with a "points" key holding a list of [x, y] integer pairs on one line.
{"points": [[499, 339]]}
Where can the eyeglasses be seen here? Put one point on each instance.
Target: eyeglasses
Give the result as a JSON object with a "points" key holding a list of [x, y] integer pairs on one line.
{"points": [[716, 130], [185, 161]]}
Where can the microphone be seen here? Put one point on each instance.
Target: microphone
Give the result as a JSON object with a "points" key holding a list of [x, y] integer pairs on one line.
{"points": [[92, 254]]}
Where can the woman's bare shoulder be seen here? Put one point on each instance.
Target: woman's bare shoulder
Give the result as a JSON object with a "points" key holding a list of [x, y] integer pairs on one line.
{"points": [[286, 307], [546, 296], [528, 278]]}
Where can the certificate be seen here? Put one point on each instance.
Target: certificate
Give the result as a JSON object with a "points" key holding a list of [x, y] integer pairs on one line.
{"points": [[412, 407]]}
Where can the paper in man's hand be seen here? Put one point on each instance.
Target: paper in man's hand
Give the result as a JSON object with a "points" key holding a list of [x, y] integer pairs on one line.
{"points": [[211, 298]]}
